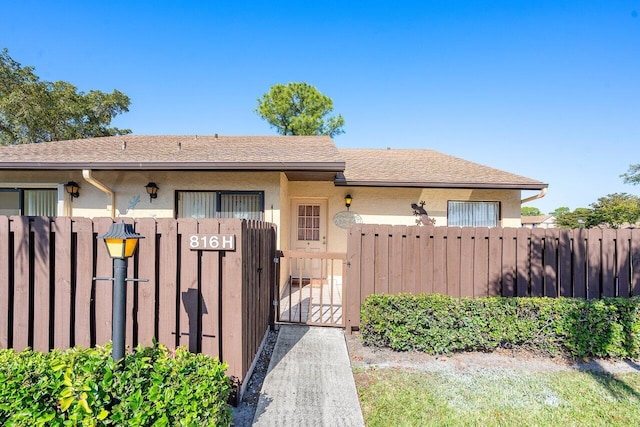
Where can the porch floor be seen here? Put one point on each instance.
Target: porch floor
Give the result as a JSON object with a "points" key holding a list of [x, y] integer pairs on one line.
{"points": [[317, 301]]}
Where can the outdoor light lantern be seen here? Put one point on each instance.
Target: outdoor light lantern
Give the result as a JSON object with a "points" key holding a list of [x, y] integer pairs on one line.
{"points": [[347, 200], [73, 189], [121, 240], [152, 190]]}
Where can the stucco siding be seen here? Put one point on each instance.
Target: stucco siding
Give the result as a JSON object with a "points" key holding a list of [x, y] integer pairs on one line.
{"points": [[374, 205], [393, 205], [132, 199]]}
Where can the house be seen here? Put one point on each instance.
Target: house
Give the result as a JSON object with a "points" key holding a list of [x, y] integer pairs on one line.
{"points": [[299, 183], [538, 221]]}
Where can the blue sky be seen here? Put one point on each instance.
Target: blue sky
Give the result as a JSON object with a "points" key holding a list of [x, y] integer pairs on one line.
{"points": [[546, 89]]}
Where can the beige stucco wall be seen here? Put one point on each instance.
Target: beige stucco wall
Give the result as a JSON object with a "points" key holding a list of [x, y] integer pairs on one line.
{"points": [[132, 199], [393, 205], [374, 205]]}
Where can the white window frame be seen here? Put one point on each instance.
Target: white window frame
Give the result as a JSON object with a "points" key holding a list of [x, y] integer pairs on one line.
{"points": [[473, 222]]}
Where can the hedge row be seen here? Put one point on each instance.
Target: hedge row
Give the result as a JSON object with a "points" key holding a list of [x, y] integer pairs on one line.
{"points": [[441, 324], [85, 387]]}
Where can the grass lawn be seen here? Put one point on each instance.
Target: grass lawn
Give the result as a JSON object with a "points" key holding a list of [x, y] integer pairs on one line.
{"points": [[497, 397]]}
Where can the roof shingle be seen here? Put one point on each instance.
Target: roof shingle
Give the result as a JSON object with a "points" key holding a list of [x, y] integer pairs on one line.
{"points": [[425, 168], [158, 151]]}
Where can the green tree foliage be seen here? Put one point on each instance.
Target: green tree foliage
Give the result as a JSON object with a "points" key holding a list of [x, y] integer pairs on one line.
{"points": [[580, 217], [560, 211], [633, 175], [299, 109], [32, 110], [529, 211], [614, 210]]}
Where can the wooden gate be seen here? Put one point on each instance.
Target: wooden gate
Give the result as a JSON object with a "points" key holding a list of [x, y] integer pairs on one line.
{"points": [[316, 299]]}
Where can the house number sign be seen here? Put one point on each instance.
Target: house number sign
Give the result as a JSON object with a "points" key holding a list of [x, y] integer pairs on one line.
{"points": [[212, 242]]}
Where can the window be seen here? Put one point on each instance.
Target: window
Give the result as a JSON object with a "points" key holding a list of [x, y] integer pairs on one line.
{"points": [[28, 202], [220, 204], [473, 214], [309, 222]]}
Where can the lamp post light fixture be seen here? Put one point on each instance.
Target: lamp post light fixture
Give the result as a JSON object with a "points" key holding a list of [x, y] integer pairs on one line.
{"points": [[347, 200], [152, 190], [121, 242], [72, 189]]}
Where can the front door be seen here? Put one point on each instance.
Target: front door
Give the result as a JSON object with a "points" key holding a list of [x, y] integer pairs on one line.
{"points": [[309, 233]]}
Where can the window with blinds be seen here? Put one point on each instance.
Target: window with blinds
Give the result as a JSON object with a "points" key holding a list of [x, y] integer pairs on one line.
{"points": [[28, 202], [473, 214], [220, 204]]}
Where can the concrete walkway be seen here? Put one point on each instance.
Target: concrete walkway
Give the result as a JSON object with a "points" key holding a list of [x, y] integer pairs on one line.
{"points": [[309, 381]]}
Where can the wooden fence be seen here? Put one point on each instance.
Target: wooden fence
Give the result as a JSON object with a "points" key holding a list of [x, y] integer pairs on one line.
{"points": [[474, 262], [214, 302]]}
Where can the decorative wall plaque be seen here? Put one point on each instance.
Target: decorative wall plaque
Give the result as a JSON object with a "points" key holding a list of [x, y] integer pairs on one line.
{"points": [[346, 219]]}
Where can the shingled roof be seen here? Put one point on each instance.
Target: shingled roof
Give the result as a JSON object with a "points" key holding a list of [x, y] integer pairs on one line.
{"points": [[424, 168], [178, 152], [301, 157]]}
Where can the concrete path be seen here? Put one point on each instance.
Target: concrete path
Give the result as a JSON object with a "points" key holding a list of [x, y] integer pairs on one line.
{"points": [[309, 381]]}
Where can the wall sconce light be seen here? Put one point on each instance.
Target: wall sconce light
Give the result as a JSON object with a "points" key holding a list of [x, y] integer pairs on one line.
{"points": [[347, 200], [73, 189], [152, 190]]}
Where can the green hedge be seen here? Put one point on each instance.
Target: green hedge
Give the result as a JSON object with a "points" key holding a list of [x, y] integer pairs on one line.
{"points": [[441, 324], [85, 387]]}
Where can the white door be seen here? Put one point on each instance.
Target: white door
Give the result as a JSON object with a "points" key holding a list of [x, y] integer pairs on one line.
{"points": [[309, 234]]}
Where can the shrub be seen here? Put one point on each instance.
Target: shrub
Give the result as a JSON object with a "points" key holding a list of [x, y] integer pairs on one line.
{"points": [[436, 324], [154, 386]]}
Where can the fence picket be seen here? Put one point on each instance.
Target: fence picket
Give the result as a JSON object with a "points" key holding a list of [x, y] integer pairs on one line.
{"points": [[550, 266], [84, 270], [481, 263], [635, 262], [41, 231], [453, 261], [509, 266], [189, 292], [5, 288], [496, 245], [22, 307], [580, 263], [608, 263], [623, 265], [103, 289], [168, 296], [594, 263], [62, 320], [210, 289], [565, 276], [467, 248], [145, 313], [381, 253], [440, 260], [425, 284], [536, 259]]}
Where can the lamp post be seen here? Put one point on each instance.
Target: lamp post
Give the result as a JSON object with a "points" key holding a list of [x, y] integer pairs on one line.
{"points": [[121, 241]]}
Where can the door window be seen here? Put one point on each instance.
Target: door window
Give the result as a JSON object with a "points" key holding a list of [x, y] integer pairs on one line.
{"points": [[309, 222]]}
